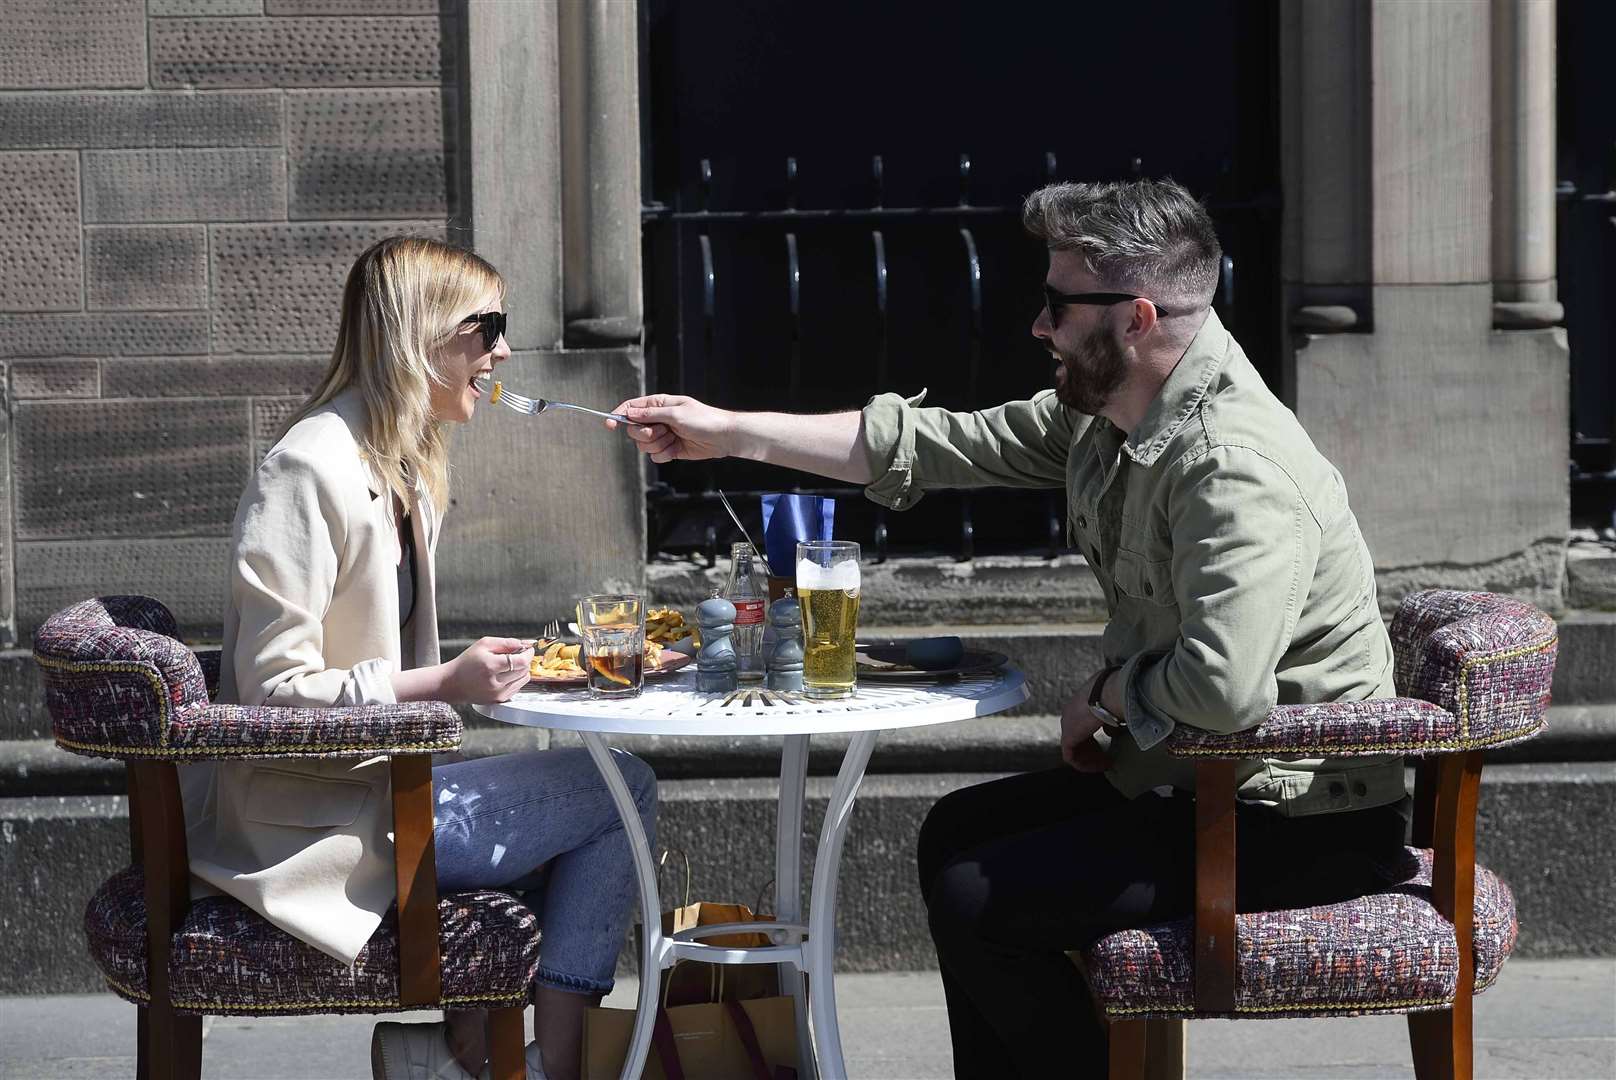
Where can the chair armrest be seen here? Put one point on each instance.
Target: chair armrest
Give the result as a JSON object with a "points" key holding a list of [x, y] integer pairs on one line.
{"points": [[274, 731], [1334, 729]]}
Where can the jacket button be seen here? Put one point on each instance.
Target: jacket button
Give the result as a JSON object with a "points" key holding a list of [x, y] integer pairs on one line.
{"points": [[1337, 789], [1082, 522], [1148, 589], [1360, 789]]}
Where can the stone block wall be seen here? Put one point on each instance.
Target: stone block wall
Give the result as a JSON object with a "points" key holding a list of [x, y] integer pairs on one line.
{"points": [[183, 185]]}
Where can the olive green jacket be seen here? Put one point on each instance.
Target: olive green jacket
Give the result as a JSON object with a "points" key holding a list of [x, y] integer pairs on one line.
{"points": [[1233, 569]]}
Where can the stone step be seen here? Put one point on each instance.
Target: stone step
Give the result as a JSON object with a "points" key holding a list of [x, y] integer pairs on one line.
{"points": [[1003, 743], [1056, 658], [1549, 830]]}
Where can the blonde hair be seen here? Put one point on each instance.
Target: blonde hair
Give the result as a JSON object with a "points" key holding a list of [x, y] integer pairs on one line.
{"points": [[405, 298]]}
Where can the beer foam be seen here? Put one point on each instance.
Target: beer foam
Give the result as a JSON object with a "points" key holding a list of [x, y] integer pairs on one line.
{"points": [[843, 576]]}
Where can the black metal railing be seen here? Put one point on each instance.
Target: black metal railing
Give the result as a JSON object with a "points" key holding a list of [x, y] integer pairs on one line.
{"points": [[1587, 281]]}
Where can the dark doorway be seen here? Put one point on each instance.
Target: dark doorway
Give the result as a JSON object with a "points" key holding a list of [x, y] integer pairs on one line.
{"points": [[832, 201], [1587, 240]]}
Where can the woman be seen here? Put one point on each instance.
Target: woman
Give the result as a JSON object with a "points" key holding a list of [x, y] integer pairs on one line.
{"points": [[331, 603]]}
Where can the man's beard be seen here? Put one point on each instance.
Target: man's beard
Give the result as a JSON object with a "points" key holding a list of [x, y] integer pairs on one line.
{"points": [[1092, 373]]}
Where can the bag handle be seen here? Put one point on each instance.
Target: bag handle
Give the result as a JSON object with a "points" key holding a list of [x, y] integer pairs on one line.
{"points": [[663, 861], [667, 1051], [715, 982], [757, 908], [749, 1040]]}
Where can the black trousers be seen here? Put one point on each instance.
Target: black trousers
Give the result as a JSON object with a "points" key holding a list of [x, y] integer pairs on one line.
{"points": [[1018, 871]]}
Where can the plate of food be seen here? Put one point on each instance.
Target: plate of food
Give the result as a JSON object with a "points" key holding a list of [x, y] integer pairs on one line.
{"points": [[559, 662]]}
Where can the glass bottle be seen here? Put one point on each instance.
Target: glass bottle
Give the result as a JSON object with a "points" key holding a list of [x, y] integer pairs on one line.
{"points": [[749, 593]]}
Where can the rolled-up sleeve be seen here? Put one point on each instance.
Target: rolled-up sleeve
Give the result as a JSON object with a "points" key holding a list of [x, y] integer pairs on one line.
{"points": [[283, 574], [912, 450], [1244, 546]]}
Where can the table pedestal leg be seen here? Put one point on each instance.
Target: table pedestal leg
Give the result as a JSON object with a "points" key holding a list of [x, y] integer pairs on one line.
{"points": [[819, 952], [788, 883], [653, 948]]}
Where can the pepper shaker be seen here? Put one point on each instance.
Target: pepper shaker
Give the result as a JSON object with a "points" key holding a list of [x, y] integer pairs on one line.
{"points": [[716, 662], [785, 658]]}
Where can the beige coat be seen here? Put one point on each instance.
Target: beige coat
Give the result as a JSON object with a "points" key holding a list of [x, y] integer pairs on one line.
{"points": [[312, 620]]}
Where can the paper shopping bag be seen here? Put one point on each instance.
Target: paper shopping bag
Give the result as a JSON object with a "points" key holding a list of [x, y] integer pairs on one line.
{"points": [[691, 982], [746, 1040]]}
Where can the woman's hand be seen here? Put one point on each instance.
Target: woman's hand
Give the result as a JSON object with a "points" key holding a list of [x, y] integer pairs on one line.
{"points": [[672, 427], [491, 669]]}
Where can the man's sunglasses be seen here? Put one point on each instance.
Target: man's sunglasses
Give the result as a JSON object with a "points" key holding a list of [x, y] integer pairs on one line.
{"points": [[492, 324], [1054, 301]]}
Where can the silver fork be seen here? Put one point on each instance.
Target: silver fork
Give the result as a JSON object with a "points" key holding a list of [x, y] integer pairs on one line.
{"points": [[533, 406]]}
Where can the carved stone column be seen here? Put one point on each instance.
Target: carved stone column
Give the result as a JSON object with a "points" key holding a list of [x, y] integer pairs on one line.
{"points": [[1523, 164], [1451, 436], [600, 181], [1324, 113], [549, 508]]}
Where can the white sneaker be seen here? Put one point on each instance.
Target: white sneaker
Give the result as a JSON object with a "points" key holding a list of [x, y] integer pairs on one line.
{"points": [[413, 1052], [535, 1064]]}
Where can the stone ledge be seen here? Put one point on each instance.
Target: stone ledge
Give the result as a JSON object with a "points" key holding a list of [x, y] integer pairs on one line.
{"points": [[1550, 831], [1591, 574]]}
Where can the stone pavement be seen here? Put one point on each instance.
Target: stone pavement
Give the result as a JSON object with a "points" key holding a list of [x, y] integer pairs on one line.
{"points": [[1544, 1020]]}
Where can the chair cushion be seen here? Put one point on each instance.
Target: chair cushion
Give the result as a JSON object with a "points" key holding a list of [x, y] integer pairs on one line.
{"points": [[228, 960], [1387, 952]]}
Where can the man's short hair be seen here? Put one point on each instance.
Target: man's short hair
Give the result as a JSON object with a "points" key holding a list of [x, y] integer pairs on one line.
{"points": [[1149, 237]]}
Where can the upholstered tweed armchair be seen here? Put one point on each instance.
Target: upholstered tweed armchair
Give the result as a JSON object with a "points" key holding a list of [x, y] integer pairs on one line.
{"points": [[119, 684], [1474, 671]]}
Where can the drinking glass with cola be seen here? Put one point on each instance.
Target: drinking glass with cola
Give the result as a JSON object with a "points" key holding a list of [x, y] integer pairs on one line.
{"points": [[613, 629]]}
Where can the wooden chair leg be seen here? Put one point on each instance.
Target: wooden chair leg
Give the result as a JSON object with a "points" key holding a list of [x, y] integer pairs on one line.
{"points": [[174, 1044], [142, 1044], [1164, 1049], [1440, 1043], [507, 1051], [1128, 1042]]}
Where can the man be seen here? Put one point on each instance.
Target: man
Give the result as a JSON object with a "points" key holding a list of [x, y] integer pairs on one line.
{"points": [[1235, 577]]}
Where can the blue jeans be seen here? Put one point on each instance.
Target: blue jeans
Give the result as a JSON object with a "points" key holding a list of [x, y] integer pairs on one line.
{"points": [[542, 824]]}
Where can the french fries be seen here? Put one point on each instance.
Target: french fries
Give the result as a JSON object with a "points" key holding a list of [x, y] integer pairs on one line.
{"points": [[667, 625], [559, 659], [553, 658]]}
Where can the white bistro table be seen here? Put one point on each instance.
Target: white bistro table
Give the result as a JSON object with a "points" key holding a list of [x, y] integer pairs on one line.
{"points": [[671, 706]]}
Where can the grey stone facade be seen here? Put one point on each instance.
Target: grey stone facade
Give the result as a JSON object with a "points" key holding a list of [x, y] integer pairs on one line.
{"points": [[184, 184]]}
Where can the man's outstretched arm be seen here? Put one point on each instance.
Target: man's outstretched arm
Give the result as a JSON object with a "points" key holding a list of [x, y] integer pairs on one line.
{"points": [[672, 427]]}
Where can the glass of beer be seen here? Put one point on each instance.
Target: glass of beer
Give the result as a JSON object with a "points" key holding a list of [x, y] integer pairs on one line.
{"points": [[828, 590], [613, 629]]}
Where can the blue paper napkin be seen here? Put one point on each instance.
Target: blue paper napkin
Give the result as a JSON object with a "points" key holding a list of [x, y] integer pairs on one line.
{"points": [[790, 518]]}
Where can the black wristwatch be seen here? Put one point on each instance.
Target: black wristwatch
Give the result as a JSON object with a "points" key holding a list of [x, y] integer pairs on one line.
{"points": [[1107, 717]]}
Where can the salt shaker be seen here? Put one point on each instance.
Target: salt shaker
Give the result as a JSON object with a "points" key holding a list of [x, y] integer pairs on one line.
{"points": [[715, 663], [785, 659]]}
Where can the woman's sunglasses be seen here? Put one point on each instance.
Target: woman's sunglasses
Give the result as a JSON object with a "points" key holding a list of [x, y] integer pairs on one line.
{"points": [[492, 324]]}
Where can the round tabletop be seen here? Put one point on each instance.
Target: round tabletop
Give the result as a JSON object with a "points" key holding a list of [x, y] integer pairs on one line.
{"points": [[671, 706]]}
